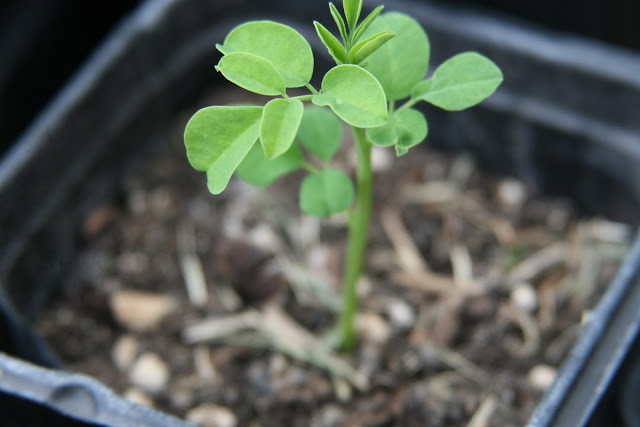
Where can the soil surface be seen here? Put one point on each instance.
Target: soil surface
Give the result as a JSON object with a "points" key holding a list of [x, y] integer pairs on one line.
{"points": [[474, 292]]}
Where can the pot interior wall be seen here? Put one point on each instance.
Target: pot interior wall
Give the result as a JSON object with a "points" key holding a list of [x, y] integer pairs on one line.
{"points": [[547, 125]]}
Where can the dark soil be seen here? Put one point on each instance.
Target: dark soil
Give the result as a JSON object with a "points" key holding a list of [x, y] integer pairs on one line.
{"points": [[474, 292]]}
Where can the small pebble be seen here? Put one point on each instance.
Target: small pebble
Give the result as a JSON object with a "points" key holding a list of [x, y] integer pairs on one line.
{"points": [[150, 373], [541, 376], [98, 220], [161, 201], [329, 416], [263, 237], [524, 297], [124, 352], [210, 415], [372, 328], [323, 261], [278, 365], [141, 311], [511, 193], [401, 315], [137, 201], [136, 395], [132, 263], [381, 159]]}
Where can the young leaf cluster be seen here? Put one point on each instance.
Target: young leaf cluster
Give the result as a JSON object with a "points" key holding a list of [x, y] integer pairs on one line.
{"points": [[380, 61]]}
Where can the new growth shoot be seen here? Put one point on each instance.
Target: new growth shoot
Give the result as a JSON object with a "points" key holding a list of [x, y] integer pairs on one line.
{"points": [[379, 77]]}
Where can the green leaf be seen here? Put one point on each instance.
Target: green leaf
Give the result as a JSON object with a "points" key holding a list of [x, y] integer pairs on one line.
{"points": [[402, 62], [280, 121], [352, 9], [252, 73], [460, 82], [366, 23], [218, 138], [412, 129], [336, 50], [257, 170], [326, 192], [354, 95], [339, 21], [385, 135], [279, 44], [405, 128], [366, 47], [320, 132]]}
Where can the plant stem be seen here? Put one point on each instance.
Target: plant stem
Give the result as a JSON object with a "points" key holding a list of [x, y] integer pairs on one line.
{"points": [[358, 232]]}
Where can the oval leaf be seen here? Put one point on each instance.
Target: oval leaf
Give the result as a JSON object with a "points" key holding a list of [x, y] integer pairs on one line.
{"points": [[366, 47], [279, 44], [385, 135], [218, 138], [326, 193], [352, 9], [252, 73], [257, 170], [354, 95], [460, 82], [402, 62], [412, 129], [280, 121], [320, 132], [336, 50]]}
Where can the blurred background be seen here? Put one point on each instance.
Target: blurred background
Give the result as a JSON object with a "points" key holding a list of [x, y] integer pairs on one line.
{"points": [[42, 42]]}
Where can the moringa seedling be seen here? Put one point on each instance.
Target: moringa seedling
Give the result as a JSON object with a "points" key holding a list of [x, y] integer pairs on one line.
{"points": [[380, 75]]}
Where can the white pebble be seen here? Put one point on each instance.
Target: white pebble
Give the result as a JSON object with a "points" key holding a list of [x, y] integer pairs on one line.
{"points": [[372, 328], [401, 315], [541, 376], [132, 262], [211, 415], [511, 193], [524, 297], [124, 351], [141, 311], [150, 373], [138, 396], [264, 238], [381, 159]]}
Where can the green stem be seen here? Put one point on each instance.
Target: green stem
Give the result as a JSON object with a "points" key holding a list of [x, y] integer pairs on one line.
{"points": [[358, 231], [303, 97], [410, 103], [312, 89]]}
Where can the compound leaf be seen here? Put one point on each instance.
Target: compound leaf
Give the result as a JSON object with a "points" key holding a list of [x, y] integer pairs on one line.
{"points": [[354, 95], [257, 170], [460, 82], [279, 126], [279, 44], [218, 138], [326, 192], [252, 73], [403, 61], [320, 132]]}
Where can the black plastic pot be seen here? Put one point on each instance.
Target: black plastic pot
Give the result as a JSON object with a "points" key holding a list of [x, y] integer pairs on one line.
{"points": [[565, 120]]}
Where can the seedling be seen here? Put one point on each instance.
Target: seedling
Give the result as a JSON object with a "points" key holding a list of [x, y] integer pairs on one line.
{"points": [[381, 65]]}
